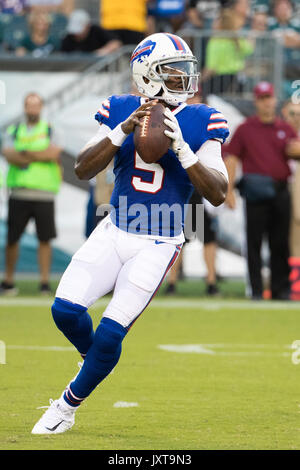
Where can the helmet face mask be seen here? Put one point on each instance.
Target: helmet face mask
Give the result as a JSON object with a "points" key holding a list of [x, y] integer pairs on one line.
{"points": [[165, 72], [180, 76]]}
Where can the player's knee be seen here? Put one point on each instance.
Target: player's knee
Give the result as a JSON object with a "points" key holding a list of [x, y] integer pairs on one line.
{"points": [[108, 337], [66, 314]]}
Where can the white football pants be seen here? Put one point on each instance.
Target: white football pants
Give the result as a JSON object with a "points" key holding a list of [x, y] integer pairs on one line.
{"points": [[131, 266]]}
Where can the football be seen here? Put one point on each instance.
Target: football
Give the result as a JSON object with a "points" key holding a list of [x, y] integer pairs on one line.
{"points": [[149, 139]]}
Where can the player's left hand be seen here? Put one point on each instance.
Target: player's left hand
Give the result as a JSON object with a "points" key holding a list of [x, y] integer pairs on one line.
{"points": [[182, 149], [175, 133]]}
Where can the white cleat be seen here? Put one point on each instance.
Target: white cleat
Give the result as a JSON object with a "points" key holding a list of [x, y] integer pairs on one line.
{"points": [[55, 420]]}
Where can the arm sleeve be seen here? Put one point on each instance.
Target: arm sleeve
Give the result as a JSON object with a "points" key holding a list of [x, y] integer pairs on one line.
{"points": [[102, 132], [209, 154]]}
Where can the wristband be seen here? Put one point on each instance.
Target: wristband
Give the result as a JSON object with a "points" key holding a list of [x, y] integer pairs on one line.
{"points": [[186, 156], [117, 136]]}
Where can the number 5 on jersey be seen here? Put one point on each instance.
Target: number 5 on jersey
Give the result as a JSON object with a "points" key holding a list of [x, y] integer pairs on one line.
{"points": [[158, 174]]}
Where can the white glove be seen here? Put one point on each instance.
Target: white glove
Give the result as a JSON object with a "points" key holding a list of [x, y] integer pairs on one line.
{"points": [[182, 149]]}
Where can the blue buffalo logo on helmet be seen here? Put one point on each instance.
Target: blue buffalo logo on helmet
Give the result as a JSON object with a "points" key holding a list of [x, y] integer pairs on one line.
{"points": [[142, 51]]}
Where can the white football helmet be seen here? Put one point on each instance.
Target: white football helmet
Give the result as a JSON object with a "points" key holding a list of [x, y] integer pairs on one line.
{"points": [[159, 59]]}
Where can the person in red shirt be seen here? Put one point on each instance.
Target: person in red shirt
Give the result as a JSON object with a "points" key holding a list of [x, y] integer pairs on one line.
{"points": [[263, 144]]}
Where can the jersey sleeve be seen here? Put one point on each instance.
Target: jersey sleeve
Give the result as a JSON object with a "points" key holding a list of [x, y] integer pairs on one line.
{"points": [[103, 115], [217, 126], [116, 109]]}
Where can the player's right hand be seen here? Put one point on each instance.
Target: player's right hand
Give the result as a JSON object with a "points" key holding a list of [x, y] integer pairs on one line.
{"points": [[133, 120]]}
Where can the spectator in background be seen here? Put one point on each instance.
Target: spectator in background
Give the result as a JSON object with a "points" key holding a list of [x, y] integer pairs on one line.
{"points": [[283, 21], [64, 7], [263, 144], [39, 42], [259, 22], [167, 16], [194, 15], [83, 36], [33, 178], [286, 27], [291, 113], [13, 7], [225, 56], [239, 9], [202, 14], [264, 48], [195, 20], [125, 19]]}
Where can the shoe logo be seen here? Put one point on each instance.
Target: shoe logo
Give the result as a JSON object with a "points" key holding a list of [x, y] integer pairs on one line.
{"points": [[158, 243], [54, 427]]}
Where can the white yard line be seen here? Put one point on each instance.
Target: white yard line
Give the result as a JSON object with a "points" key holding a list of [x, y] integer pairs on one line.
{"points": [[185, 349], [203, 349], [40, 348], [125, 404]]}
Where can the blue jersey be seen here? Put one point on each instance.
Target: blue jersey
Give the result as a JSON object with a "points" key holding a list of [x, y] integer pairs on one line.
{"points": [[143, 191]]}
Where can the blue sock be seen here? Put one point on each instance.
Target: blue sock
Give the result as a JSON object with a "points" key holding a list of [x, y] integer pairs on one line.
{"points": [[75, 323], [101, 358]]}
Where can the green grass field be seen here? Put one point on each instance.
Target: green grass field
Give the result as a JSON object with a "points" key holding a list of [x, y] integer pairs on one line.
{"points": [[233, 387]]}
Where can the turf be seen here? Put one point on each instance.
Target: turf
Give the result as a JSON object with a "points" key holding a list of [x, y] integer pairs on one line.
{"points": [[229, 288], [243, 393]]}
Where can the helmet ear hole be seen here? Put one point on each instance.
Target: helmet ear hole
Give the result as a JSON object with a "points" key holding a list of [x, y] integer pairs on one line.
{"points": [[146, 80]]}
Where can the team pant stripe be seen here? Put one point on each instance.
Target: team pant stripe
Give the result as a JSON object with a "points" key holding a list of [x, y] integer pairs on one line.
{"points": [[173, 259]]}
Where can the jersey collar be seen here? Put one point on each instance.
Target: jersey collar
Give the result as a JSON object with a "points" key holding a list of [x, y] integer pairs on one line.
{"points": [[175, 111], [179, 108]]}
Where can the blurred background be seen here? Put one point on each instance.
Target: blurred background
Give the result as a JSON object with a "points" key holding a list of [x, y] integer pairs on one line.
{"points": [[75, 53]]}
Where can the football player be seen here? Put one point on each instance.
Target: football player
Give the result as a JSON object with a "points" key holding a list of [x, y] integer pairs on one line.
{"points": [[129, 258]]}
